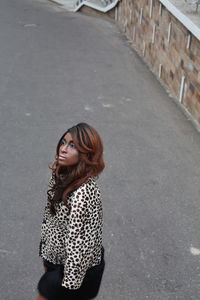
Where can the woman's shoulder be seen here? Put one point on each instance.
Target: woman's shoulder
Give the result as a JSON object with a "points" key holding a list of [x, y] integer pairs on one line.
{"points": [[90, 183], [86, 194], [86, 187]]}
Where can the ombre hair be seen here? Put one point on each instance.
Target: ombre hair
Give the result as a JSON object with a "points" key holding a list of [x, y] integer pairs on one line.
{"points": [[67, 179]]}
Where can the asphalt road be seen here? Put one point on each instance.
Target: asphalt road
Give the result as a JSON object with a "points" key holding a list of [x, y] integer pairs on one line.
{"points": [[57, 69]]}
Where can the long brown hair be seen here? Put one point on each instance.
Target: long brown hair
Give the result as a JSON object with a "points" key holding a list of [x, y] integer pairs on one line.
{"points": [[89, 145]]}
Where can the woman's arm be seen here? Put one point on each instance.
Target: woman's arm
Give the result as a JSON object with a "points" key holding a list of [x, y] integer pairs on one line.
{"points": [[80, 238]]}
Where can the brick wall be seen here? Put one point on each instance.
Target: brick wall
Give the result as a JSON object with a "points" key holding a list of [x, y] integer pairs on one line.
{"points": [[169, 48]]}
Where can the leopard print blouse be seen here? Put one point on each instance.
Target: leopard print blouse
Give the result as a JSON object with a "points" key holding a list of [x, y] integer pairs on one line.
{"points": [[74, 237]]}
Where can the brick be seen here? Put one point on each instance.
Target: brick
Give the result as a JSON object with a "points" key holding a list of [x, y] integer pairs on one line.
{"points": [[198, 97]]}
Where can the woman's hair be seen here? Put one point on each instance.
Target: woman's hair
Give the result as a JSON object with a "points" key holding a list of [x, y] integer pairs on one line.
{"points": [[67, 179]]}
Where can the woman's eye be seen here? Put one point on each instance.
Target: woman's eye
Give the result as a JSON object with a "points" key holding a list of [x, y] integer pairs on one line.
{"points": [[71, 145]]}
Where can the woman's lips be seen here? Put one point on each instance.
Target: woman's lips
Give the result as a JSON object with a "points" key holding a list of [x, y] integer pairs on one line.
{"points": [[61, 157]]}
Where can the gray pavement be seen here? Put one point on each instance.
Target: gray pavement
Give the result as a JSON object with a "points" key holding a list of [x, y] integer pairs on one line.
{"points": [[57, 69]]}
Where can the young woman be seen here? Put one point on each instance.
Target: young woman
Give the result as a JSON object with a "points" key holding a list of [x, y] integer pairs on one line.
{"points": [[71, 235]]}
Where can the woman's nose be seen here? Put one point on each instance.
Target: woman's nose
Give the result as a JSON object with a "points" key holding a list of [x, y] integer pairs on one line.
{"points": [[64, 148]]}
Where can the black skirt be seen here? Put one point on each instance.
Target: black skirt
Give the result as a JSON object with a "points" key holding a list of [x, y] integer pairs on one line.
{"points": [[50, 286]]}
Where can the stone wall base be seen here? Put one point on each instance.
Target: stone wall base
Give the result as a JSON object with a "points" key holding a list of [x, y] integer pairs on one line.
{"points": [[91, 11]]}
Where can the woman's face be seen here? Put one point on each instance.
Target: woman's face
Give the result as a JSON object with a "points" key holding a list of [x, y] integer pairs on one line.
{"points": [[68, 154]]}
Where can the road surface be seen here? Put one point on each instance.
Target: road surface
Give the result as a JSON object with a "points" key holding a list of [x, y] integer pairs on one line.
{"points": [[58, 69]]}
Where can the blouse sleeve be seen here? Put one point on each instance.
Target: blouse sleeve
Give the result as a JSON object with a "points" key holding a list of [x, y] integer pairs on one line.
{"points": [[77, 241]]}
